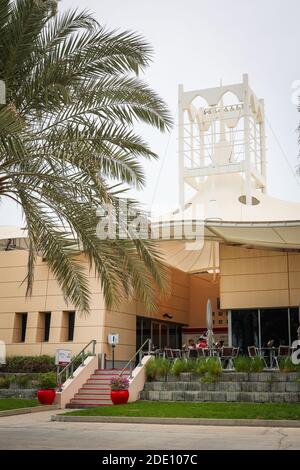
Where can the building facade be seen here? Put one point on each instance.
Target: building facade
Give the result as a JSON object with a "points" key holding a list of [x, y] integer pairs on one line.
{"points": [[246, 259]]}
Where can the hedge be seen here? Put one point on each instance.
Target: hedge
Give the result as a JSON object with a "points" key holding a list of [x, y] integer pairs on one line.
{"points": [[27, 364]]}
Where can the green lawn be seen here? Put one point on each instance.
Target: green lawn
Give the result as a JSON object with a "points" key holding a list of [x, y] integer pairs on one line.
{"points": [[15, 403], [197, 410]]}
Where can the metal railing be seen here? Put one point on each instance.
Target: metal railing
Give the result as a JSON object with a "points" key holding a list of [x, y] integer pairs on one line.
{"points": [[140, 354], [68, 371]]}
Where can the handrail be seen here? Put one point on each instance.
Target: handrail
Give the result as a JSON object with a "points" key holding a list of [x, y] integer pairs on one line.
{"points": [[138, 352], [70, 366]]}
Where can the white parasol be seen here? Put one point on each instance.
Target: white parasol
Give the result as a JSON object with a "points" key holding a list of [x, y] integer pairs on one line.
{"points": [[209, 324]]}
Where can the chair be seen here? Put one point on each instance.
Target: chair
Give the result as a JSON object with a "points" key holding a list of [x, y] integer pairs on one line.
{"points": [[200, 352], [176, 353], [206, 353], [283, 353], [236, 352], [227, 356], [168, 353], [193, 353], [253, 352]]}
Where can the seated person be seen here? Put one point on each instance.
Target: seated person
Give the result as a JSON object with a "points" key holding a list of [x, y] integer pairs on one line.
{"points": [[191, 344], [202, 343]]}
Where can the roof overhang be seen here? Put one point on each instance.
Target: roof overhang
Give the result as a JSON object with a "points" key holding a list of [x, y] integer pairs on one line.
{"points": [[197, 250], [274, 235]]}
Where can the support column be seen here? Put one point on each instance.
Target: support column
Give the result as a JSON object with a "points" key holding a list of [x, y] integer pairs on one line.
{"points": [[247, 141]]}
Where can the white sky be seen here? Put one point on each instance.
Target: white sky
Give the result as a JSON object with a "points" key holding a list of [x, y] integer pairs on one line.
{"points": [[196, 43]]}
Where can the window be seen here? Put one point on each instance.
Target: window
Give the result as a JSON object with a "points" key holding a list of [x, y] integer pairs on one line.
{"points": [[162, 334], [220, 322], [71, 325], [23, 326], [68, 326], [294, 322], [19, 333], [47, 319], [274, 325], [245, 330], [43, 327]]}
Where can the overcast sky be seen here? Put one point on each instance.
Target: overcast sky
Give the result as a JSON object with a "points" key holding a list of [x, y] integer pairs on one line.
{"points": [[197, 43]]}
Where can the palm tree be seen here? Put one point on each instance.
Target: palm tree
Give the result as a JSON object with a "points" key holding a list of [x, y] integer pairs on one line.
{"points": [[72, 97]]}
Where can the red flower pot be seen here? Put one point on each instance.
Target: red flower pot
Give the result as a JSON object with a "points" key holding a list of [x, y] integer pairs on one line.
{"points": [[119, 397], [46, 397]]}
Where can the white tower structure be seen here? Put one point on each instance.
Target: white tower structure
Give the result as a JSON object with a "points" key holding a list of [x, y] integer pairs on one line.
{"points": [[221, 138]]}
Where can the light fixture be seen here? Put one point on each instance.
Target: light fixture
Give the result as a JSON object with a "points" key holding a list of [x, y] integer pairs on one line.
{"points": [[167, 315]]}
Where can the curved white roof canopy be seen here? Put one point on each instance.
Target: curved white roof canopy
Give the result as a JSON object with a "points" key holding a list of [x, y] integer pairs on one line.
{"points": [[13, 238], [219, 206]]}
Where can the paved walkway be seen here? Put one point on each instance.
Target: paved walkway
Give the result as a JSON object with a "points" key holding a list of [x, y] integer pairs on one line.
{"points": [[36, 431]]}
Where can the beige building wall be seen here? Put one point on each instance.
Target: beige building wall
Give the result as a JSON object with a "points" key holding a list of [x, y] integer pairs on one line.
{"points": [[123, 321], [258, 278], [202, 287], [47, 297]]}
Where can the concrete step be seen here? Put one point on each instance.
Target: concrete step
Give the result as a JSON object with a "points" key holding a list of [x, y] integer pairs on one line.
{"points": [[84, 405], [93, 388], [213, 396], [92, 396], [112, 371], [228, 376], [219, 386], [105, 376], [91, 401]]}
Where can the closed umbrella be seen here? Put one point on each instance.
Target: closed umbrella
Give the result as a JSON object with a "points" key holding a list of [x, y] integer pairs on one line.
{"points": [[209, 324]]}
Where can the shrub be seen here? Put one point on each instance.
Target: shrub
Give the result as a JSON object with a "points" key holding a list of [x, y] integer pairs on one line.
{"points": [[213, 366], [4, 382], [151, 370], [157, 367], [245, 364], [257, 364], [201, 367], [191, 366], [242, 364], [47, 380], [119, 383], [22, 380], [286, 365], [179, 366], [29, 364], [163, 366]]}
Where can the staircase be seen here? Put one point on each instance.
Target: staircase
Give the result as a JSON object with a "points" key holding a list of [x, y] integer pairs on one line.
{"points": [[96, 391]]}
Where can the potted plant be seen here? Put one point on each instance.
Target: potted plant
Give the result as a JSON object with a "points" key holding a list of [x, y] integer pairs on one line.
{"points": [[119, 390], [46, 393]]}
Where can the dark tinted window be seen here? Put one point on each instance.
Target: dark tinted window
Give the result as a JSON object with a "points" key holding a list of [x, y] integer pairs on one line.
{"points": [[47, 320], [71, 325]]}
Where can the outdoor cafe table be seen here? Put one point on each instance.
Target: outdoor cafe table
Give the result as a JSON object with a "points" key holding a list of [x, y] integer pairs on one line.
{"points": [[270, 355]]}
